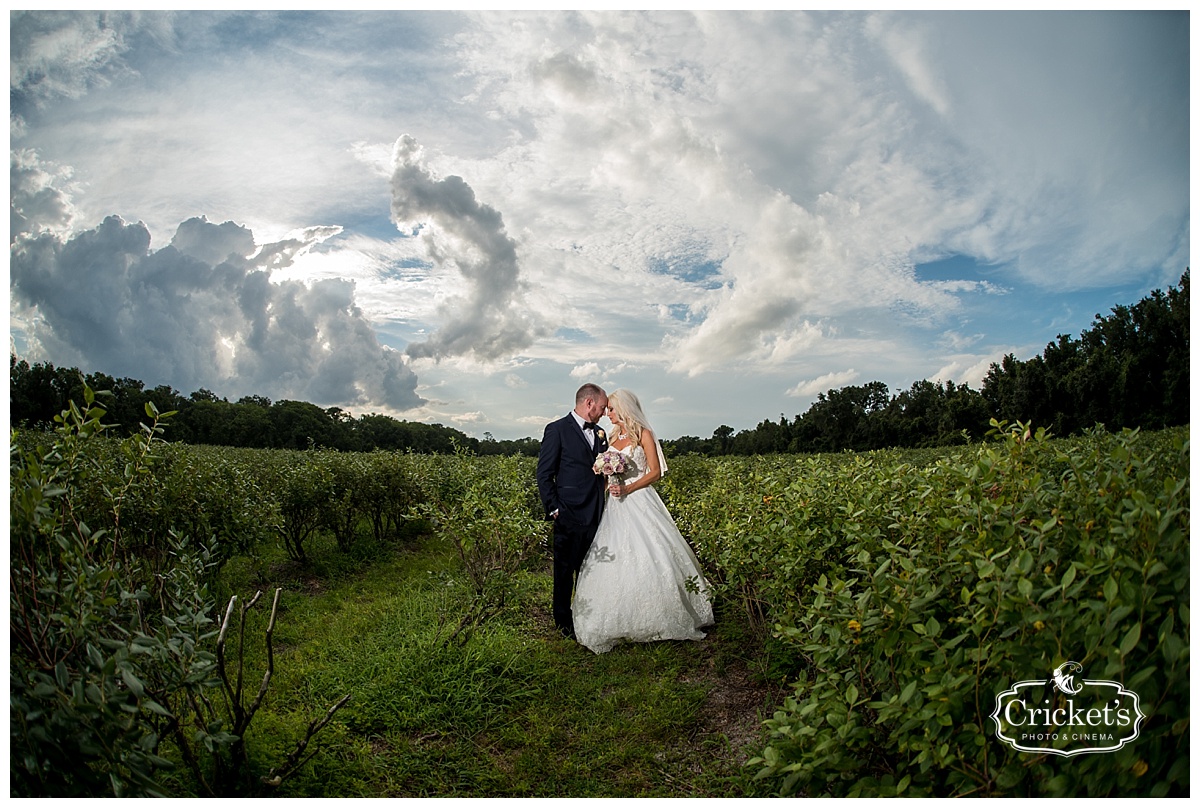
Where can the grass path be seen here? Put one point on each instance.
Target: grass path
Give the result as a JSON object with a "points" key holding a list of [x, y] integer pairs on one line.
{"points": [[515, 712]]}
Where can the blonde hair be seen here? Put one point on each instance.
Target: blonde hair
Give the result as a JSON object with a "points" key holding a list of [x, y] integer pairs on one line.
{"points": [[629, 412]]}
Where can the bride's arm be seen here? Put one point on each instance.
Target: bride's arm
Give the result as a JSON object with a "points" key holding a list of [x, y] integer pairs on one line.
{"points": [[653, 468]]}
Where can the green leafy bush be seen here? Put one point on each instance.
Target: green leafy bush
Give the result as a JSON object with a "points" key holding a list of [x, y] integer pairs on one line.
{"points": [[117, 671], [99, 635], [489, 511], [389, 491], [913, 596]]}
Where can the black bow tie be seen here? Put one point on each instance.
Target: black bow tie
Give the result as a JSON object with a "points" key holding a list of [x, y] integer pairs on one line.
{"points": [[589, 425]]}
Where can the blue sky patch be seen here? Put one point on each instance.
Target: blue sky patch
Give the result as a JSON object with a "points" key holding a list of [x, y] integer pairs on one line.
{"points": [[705, 274]]}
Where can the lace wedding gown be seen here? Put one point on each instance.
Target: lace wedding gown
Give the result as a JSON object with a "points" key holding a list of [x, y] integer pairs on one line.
{"points": [[633, 585]]}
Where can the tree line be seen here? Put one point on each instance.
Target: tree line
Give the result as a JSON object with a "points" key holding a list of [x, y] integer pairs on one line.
{"points": [[40, 391], [1130, 369]]}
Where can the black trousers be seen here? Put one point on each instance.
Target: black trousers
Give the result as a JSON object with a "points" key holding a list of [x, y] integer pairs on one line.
{"points": [[571, 543]]}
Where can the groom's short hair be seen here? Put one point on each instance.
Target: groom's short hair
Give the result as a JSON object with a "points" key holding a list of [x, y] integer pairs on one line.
{"points": [[589, 390]]}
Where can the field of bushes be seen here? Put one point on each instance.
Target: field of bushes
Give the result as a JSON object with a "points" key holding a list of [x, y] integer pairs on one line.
{"points": [[895, 594]]}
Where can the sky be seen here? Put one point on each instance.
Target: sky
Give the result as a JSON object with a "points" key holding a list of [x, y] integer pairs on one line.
{"points": [[460, 217]]}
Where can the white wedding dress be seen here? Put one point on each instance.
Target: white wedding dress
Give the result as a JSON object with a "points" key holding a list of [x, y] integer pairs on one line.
{"points": [[634, 583]]}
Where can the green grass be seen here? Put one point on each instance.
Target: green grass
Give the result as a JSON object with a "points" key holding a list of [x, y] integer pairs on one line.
{"points": [[517, 711]]}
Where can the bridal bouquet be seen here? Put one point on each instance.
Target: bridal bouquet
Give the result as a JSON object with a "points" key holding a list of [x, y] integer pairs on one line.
{"points": [[609, 463]]}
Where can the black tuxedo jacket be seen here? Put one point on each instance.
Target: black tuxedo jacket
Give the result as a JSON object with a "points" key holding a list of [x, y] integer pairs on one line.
{"points": [[565, 479]]}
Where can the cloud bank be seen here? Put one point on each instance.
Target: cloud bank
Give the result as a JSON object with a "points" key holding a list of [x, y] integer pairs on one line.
{"points": [[202, 312], [761, 172]]}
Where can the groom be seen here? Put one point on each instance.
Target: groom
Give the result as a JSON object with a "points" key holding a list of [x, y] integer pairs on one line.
{"points": [[572, 494]]}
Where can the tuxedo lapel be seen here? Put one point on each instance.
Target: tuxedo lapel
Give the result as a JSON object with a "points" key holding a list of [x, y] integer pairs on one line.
{"points": [[600, 443], [576, 429]]}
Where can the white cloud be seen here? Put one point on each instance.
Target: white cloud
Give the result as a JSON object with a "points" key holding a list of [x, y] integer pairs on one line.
{"points": [[40, 195], [490, 321], [955, 341], [968, 369], [909, 47], [821, 384], [585, 372]]}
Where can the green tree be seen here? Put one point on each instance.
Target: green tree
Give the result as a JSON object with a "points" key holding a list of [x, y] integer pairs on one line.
{"points": [[297, 424], [39, 392], [722, 439], [1130, 369], [842, 419], [376, 431]]}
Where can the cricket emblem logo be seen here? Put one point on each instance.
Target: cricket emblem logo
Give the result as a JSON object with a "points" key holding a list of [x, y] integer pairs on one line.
{"points": [[1064, 681], [1063, 716]]}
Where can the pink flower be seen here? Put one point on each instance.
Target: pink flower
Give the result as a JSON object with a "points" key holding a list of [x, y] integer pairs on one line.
{"points": [[609, 463]]}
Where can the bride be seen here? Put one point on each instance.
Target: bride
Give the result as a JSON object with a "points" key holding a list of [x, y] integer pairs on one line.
{"points": [[640, 581]]}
